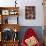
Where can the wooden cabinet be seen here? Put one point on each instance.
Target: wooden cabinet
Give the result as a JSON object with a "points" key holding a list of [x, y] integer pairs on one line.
{"points": [[9, 23]]}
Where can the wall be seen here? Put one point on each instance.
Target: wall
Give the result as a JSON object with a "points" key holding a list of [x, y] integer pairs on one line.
{"points": [[39, 13], [38, 9], [35, 24]]}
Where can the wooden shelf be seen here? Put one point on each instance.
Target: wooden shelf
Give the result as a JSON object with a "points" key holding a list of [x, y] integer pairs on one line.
{"points": [[11, 26], [9, 43], [5, 12], [8, 11]]}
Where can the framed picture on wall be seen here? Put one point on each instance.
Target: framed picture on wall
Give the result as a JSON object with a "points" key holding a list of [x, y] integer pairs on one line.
{"points": [[30, 12]]}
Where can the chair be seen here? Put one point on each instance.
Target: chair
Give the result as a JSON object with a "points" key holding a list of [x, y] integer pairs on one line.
{"points": [[28, 34]]}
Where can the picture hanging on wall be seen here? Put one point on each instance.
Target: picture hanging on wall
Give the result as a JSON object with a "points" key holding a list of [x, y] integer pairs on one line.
{"points": [[30, 12]]}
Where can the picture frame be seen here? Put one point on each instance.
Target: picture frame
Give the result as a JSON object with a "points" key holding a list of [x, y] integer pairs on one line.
{"points": [[12, 12], [29, 12], [5, 12]]}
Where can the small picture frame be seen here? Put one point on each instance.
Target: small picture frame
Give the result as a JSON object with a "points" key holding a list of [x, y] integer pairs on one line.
{"points": [[30, 12], [5, 12], [12, 12]]}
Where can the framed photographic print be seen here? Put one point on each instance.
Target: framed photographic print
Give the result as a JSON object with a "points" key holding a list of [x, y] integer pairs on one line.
{"points": [[13, 12], [5, 12], [30, 12]]}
